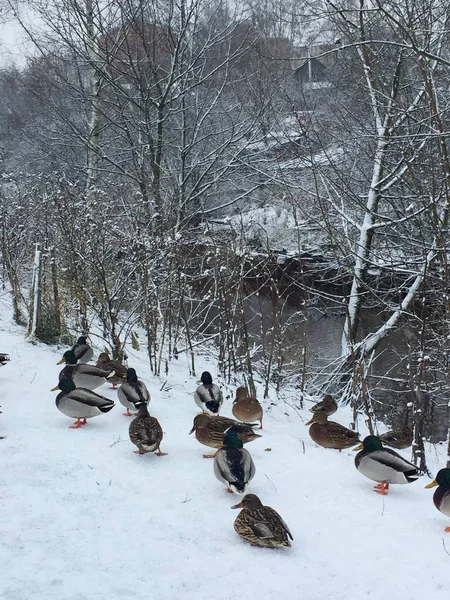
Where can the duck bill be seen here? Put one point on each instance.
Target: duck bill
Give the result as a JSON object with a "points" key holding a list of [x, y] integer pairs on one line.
{"points": [[237, 505], [358, 447], [55, 389], [61, 362], [311, 421], [434, 483], [192, 430]]}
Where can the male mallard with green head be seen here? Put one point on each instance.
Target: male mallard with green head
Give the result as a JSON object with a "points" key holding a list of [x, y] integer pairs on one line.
{"points": [[261, 525], [208, 396], [82, 350], [132, 392], [85, 376], [80, 403], [383, 465], [233, 464], [210, 431], [441, 496]]}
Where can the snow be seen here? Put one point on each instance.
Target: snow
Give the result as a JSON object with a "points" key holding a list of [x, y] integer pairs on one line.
{"points": [[84, 518], [274, 227]]}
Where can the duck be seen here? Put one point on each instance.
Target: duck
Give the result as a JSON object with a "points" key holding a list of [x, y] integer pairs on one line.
{"points": [[210, 431], [145, 432], [80, 403], [120, 370], [330, 434], [132, 391], [327, 406], [4, 358], [208, 396], [82, 350], [399, 438], [233, 464], [84, 376], [261, 525], [441, 496], [383, 465], [247, 408]]}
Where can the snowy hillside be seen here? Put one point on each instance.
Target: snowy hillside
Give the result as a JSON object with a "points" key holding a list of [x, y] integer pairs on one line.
{"points": [[84, 518]]}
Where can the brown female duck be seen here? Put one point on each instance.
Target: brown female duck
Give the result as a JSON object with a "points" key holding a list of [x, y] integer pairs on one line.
{"points": [[399, 438], [261, 525], [210, 431], [145, 432], [108, 364], [247, 408], [329, 434], [327, 406]]}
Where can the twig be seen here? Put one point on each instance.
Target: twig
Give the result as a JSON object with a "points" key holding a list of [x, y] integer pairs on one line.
{"points": [[116, 441], [187, 499], [163, 386], [303, 446], [445, 548], [274, 486], [34, 376]]}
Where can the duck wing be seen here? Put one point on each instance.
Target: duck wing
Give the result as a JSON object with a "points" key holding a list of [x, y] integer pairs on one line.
{"points": [[147, 430], [85, 396], [91, 370], [392, 459], [135, 392]]}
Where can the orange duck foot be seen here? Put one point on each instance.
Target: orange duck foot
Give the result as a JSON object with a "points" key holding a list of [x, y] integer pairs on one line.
{"points": [[229, 491], [78, 424], [127, 414], [210, 455], [382, 489], [447, 529], [159, 453], [138, 452]]}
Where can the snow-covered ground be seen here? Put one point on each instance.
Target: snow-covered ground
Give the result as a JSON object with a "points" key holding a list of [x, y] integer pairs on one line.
{"points": [[84, 518]]}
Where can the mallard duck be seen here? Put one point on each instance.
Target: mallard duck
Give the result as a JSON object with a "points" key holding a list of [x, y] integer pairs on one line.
{"points": [[82, 350], [80, 403], [146, 432], [246, 408], [210, 431], [208, 396], [84, 376], [108, 364], [132, 391], [261, 525], [327, 406], [441, 496], [329, 434], [383, 465], [400, 439], [233, 464], [4, 358]]}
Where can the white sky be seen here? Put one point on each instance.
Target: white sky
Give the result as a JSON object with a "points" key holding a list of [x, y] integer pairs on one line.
{"points": [[13, 44]]}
